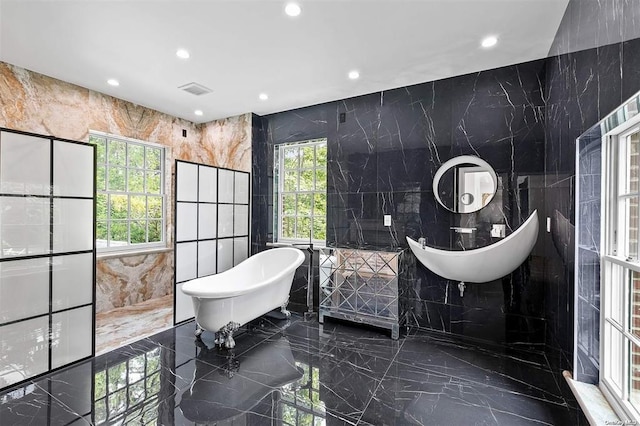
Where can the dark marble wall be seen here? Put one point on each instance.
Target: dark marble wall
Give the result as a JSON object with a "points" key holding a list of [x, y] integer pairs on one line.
{"points": [[581, 88], [587, 276], [262, 178], [524, 120], [382, 159], [587, 24]]}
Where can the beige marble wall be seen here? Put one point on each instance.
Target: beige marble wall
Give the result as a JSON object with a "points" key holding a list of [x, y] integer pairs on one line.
{"points": [[133, 279], [36, 103], [230, 155]]}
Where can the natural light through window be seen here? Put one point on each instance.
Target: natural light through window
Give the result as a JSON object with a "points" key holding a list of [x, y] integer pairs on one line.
{"points": [[620, 373], [122, 390], [130, 194], [301, 173]]}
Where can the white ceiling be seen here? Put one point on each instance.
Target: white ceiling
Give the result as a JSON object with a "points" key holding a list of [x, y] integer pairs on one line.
{"points": [[241, 48]]}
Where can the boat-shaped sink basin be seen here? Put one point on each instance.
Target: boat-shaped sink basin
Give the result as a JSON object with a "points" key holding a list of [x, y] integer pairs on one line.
{"points": [[483, 264]]}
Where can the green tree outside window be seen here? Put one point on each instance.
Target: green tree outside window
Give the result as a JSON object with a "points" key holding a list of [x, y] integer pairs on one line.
{"points": [[130, 201], [302, 186]]}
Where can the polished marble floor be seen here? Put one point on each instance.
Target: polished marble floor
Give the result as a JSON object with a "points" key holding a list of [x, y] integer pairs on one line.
{"points": [[121, 326], [296, 372]]}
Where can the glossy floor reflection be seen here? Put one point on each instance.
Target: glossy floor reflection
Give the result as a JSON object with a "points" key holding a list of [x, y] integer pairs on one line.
{"points": [[295, 373], [121, 326]]}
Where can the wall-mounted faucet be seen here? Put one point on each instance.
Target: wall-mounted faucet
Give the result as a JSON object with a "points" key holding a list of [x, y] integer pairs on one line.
{"points": [[422, 241]]}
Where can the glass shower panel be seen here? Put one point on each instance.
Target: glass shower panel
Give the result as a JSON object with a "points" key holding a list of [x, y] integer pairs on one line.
{"points": [[241, 220], [241, 188], [186, 221], [207, 185], [71, 336], [24, 226], [217, 222], [207, 220], [72, 280], [184, 305], [225, 255], [225, 186], [240, 250], [24, 350], [72, 169], [72, 219], [24, 289], [186, 182], [225, 220], [207, 251], [186, 255], [17, 151], [46, 214]]}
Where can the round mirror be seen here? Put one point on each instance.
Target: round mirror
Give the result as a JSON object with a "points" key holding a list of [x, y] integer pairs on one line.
{"points": [[465, 184]]}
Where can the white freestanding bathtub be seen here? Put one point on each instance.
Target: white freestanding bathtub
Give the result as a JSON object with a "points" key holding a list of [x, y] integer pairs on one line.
{"points": [[224, 302]]}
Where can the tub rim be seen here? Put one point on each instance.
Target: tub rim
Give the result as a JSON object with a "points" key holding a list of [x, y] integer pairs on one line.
{"points": [[203, 289]]}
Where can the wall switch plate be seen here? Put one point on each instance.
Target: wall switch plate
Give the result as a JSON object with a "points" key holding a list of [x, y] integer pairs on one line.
{"points": [[387, 220]]}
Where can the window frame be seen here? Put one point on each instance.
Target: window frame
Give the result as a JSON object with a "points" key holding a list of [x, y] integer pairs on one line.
{"points": [[130, 248], [131, 410], [279, 168], [299, 396], [613, 258]]}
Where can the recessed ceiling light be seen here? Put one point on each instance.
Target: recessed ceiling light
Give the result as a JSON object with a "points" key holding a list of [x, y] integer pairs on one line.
{"points": [[113, 82], [489, 41], [292, 9], [198, 112], [354, 75], [182, 54], [263, 96]]}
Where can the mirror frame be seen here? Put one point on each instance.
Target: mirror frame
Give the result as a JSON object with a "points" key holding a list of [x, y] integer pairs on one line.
{"points": [[457, 161]]}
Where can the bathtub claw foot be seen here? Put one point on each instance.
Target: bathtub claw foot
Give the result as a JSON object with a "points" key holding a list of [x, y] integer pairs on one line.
{"points": [[219, 339], [225, 335], [229, 343], [284, 309], [199, 331]]}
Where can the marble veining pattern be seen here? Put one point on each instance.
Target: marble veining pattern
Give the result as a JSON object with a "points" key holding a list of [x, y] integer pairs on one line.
{"points": [[583, 86], [522, 119], [121, 326], [381, 160], [589, 24], [129, 280], [37, 103], [215, 150], [298, 372]]}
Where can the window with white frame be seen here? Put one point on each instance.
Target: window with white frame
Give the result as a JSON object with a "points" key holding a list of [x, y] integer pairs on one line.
{"points": [[129, 392], [301, 191], [130, 200], [301, 403], [620, 286]]}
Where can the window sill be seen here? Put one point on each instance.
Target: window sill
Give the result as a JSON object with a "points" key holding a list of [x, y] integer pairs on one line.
{"points": [[592, 401], [129, 253], [296, 245]]}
